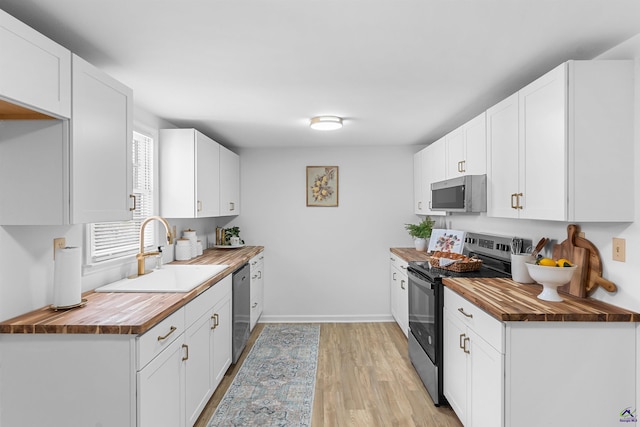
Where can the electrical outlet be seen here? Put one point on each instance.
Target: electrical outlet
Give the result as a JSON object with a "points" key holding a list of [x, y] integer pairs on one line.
{"points": [[58, 243], [619, 251]]}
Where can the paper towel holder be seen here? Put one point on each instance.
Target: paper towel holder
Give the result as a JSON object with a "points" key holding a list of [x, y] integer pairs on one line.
{"points": [[82, 303]]}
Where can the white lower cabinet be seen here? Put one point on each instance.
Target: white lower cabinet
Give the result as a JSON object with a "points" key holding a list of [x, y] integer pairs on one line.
{"points": [[161, 389], [163, 377], [473, 367], [256, 265], [399, 281], [530, 374]]}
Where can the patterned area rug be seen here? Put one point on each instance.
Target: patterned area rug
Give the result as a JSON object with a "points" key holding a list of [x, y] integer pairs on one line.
{"points": [[276, 382]]}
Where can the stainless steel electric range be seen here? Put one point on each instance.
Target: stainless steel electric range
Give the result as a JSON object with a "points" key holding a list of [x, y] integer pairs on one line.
{"points": [[426, 301]]}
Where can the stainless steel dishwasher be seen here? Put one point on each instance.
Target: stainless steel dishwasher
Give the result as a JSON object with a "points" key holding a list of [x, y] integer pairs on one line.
{"points": [[241, 310]]}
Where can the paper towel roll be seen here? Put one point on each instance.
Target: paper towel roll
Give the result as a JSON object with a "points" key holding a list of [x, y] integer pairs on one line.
{"points": [[67, 271]]}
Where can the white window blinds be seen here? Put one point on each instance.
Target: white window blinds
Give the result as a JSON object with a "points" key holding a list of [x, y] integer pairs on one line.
{"points": [[109, 240]]}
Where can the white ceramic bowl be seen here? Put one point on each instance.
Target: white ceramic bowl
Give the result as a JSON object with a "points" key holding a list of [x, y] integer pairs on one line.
{"points": [[550, 278]]}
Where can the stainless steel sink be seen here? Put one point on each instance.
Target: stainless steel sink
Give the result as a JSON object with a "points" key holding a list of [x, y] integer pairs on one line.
{"points": [[170, 278]]}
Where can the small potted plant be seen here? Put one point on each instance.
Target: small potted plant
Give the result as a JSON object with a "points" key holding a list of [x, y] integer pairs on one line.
{"points": [[421, 232]]}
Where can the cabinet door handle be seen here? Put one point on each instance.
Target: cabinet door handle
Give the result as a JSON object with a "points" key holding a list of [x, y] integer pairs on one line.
{"points": [[394, 276], [461, 310], [259, 274], [402, 286], [232, 206], [518, 205], [135, 202], [164, 337], [464, 339], [513, 203], [186, 356], [419, 206], [216, 321], [199, 206], [255, 304]]}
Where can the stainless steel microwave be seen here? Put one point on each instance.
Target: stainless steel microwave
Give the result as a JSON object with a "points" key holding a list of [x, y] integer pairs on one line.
{"points": [[466, 193]]}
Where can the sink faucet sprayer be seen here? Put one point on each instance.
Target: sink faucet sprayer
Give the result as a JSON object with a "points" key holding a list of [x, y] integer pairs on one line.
{"points": [[142, 254]]}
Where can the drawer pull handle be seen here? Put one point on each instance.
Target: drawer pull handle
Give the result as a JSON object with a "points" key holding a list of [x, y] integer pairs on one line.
{"points": [[461, 310], [164, 337], [186, 356], [255, 304], [216, 321]]}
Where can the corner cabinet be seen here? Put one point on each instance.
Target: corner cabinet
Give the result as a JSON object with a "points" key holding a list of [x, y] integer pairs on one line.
{"points": [[35, 72], [83, 165], [189, 174], [399, 282], [229, 182], [520, 373], [561, 139]]}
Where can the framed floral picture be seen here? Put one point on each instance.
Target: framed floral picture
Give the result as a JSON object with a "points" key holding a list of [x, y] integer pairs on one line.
{"points": [[322, 185]]}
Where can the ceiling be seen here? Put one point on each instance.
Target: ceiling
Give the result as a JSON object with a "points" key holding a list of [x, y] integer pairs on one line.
{"points": [[250, 73]]}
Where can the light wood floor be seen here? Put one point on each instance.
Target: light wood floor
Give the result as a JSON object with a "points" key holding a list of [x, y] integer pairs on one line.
{"points": [[365, 378]]}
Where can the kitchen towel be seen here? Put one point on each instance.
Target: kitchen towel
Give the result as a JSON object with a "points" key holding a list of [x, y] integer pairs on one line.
{"points": [[67, 270]]}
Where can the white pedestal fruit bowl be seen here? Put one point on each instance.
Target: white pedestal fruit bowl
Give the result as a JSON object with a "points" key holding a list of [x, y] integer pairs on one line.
{"points": [[550, 278]]}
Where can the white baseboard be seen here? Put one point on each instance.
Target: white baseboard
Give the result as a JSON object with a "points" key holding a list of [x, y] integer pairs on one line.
{"points": [[344, 318]]}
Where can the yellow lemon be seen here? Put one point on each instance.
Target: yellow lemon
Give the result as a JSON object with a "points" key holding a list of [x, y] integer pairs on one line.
{"points": [[564, 263], [546, 262]]}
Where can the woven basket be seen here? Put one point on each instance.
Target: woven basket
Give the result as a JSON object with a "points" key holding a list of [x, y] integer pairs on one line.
{"points": [[462, 264]]}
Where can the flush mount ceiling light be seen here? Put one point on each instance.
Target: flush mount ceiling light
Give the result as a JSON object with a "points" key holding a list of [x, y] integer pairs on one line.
{"points": [[326, 123]]}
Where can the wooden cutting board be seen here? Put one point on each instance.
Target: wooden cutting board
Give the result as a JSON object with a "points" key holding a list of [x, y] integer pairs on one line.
{"points": [[585, 255], [579, 257]]}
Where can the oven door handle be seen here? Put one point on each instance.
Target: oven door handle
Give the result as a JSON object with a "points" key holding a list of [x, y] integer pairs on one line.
{"points": [[419, 280]]}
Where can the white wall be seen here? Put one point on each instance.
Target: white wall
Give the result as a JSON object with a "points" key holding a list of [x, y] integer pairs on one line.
{"points": [[327, 263]]}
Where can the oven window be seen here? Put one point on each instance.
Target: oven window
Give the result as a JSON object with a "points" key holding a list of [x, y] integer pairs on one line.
{"points": [[422, 315]]}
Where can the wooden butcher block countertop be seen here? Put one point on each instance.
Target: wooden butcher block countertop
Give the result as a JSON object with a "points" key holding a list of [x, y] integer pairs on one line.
{"points": [[125, 312], [410, 254], [509, 301]]}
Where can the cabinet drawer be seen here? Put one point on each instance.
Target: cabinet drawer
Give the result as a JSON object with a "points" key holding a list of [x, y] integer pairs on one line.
{"points": [[156, 339], [476, 319], [399, 263], [206, 300]]}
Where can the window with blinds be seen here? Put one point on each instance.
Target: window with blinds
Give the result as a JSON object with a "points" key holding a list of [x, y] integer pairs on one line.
{"points": [[110, 240]]}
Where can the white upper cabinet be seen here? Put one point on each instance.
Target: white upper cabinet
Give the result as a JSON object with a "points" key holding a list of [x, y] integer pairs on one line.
{"points": [[558, 147], [433, 170], [189, 174], [502, 158], [59, 172], [466, 149], [35, 72], [101, 146], [229, 182]]}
